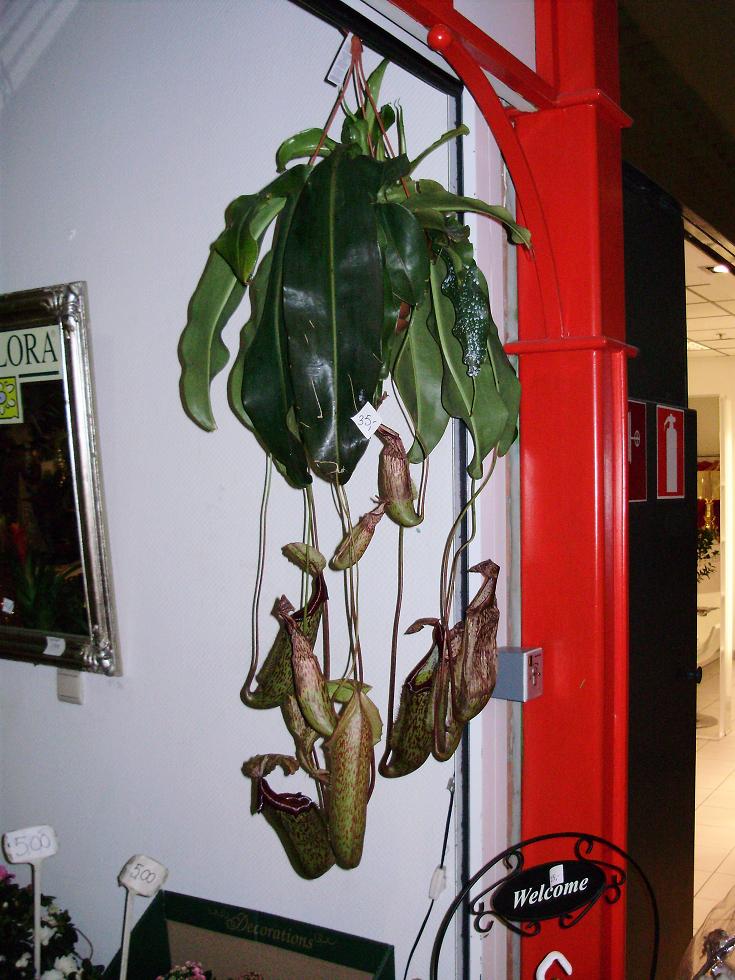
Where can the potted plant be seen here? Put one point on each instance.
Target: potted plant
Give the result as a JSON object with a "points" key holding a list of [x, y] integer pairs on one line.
{"points": [[370, 280], [59, 937]]}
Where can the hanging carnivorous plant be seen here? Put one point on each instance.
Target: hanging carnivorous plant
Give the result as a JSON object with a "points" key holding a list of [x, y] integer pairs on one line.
{"points": [[370, 281]]}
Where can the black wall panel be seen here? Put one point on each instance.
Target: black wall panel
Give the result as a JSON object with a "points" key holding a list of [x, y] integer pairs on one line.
{"points": [[662, 706], [655, 303]]}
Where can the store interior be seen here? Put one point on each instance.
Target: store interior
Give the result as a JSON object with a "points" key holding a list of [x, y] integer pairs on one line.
{"points": [[710, 295]]}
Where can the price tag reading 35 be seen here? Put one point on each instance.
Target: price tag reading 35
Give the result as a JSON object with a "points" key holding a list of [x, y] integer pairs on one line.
{"points": [[367, 420], [30, 845], [142, 875]]}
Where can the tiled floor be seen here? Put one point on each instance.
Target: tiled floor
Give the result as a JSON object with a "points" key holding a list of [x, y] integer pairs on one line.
{"points": [[714, 842]]}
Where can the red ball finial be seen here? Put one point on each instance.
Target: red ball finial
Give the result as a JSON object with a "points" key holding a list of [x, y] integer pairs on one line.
{"points": [[440, 37]]}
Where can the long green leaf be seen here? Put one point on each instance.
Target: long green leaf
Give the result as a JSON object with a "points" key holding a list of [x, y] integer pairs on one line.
{"points": [[404, 248], [267, 394], [239, 243], [201, 350], [391, 311], [257, 301], [375, 80], [506, 380], [430, 220], [387, 118], [417, 370], [393, 169], [451, 134], [355, 132], [471, 313], [441, 200], [361, 127], [302, 144], [401, 131], [247, 218], [333, 306], [474, 400]]}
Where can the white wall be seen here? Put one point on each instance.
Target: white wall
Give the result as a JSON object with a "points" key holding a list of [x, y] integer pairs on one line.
{"points": [[716, 376], [118, 154], [711, 376]]}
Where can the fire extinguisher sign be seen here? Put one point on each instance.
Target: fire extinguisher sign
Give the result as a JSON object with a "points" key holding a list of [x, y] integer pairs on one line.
{"points": [[670, 452]]}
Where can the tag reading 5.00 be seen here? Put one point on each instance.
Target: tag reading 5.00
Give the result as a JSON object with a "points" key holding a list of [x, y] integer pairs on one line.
{"points": [[30, 845], [143, 875]]}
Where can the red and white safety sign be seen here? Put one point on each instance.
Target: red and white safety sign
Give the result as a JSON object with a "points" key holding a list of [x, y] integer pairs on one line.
{"points": [[637, 470], [669, 452]]}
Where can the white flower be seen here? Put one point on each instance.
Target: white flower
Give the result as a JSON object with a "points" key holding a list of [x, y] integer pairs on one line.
{"points": [[66, 964], [45, 933], [23, 962], [52, 975]]}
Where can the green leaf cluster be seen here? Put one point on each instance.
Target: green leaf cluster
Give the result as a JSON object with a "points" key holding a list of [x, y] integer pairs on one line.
{"points": [[359, 249]]}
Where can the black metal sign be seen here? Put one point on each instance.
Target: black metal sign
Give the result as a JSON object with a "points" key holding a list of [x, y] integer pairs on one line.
{"points": [[548, 891]]}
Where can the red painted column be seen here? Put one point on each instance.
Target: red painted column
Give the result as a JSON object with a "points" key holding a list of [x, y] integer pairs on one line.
{"points": [[573, 486], [565, 161]]}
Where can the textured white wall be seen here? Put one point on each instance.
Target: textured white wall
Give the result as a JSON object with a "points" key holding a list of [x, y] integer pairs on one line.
{"points": [[118, 153]]}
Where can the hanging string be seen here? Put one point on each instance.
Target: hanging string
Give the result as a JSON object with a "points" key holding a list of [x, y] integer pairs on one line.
{"points": [[356, 75], [356, 51]]}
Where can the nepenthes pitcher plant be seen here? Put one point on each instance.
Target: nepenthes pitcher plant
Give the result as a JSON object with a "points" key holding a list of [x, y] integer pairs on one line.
{"points": [[370, 281]]}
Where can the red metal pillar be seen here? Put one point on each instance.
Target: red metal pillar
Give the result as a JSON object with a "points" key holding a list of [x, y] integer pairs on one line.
{"points": [[565, 161], [573, 480]]}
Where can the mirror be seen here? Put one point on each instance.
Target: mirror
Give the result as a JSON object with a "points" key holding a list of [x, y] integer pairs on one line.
{"points": [[55, 590]]}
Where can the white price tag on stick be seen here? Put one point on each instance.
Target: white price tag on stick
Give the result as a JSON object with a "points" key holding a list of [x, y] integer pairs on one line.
{"points": [[30, 845], [142, 875], [367, 419]]}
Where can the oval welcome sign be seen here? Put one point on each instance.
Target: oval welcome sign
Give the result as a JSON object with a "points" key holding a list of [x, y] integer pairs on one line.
{"points": [[546, 891]]}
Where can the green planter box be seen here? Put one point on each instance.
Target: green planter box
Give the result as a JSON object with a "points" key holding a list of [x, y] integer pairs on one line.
{"points": [[231, 941]]}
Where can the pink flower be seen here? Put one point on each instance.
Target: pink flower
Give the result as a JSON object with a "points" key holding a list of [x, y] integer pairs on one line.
{"points": [[5, 875]]}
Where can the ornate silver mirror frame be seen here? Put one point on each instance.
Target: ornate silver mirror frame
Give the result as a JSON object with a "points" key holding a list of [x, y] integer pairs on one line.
{"points": [[56, 602]]}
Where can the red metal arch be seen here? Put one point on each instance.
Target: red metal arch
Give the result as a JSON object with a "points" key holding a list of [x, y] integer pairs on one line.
{"points": [[442, 39]]}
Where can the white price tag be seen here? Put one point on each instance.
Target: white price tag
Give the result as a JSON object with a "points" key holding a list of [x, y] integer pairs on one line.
{"points": [[142, 875], [338, 69], [367, 420], [556, 875], [30, 845], [8, 606], [55, 646]]}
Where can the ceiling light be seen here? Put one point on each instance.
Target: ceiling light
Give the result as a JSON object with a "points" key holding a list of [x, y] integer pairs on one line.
{"points": [[720, 267], [693, 345]]}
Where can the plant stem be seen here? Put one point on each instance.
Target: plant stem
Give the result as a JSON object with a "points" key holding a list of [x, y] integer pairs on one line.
{"points": [[394, 651], [254, 616], [352, 575], [446, 590], [325, 608]]}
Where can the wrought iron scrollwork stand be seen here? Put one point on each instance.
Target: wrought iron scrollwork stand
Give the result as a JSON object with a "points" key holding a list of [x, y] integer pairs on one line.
{"points": [[481, 911]]}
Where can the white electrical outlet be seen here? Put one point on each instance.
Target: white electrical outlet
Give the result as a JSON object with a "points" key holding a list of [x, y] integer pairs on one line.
{"points": [[69, 686]]}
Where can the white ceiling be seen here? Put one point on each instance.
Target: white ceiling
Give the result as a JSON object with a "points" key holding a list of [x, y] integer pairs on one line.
{"points": [[710, 301]]}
